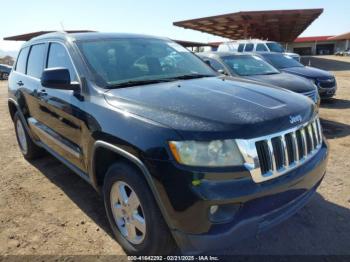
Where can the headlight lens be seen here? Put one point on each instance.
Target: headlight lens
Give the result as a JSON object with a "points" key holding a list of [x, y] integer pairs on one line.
{"points": [[217, 153]]}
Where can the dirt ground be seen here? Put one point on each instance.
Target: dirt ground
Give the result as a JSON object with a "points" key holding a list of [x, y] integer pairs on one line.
{"points": [[47, 210]]}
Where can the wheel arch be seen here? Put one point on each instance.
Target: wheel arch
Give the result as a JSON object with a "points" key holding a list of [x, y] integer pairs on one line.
{"points": [[123, 155], [13, 107]]}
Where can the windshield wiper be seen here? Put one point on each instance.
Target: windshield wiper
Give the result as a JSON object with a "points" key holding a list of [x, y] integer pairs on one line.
{"points": [[137, 82], [270, 73], [154, 81], [191, 76]]}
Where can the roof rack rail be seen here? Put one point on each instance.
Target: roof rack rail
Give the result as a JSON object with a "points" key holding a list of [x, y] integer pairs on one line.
{"points": [[29, 36]]}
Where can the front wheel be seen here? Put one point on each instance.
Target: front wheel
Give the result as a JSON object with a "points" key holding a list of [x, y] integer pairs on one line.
{"points": [[133, 214]]}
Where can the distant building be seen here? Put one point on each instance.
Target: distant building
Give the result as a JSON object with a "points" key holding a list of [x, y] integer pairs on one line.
{"points": [[319, 45]]}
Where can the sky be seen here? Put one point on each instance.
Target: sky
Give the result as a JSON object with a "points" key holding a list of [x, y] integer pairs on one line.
{"points": [[154, 17]]}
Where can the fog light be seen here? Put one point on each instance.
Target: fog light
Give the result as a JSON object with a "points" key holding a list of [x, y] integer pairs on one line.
{"points": [[213, 210], [223, 213]]}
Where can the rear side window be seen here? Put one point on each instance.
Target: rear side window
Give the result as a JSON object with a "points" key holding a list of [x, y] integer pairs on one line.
{"points": [[261, 48], [249, 47], [240, 48], [36, 60], [22, 61], [58, 57]]}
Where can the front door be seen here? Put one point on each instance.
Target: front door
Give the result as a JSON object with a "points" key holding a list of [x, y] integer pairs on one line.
{"points": [[61, 117]]}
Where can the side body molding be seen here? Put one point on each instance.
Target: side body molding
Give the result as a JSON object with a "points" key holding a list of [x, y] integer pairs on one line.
{"points": [[140, 165]]}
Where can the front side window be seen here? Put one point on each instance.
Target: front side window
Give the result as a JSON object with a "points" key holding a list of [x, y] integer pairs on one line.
{"points": [[281, 61], [36, 60], [275, 47], [249, 47], [261, 48], [22, 60], [247, 65], [124, 60], [58, 57]]}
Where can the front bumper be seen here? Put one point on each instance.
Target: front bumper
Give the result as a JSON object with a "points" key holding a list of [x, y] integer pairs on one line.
{"points": [[261, 205]]}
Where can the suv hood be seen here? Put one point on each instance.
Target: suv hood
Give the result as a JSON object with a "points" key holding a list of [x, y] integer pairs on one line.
{"points": [[291, 82], [309, 72], [214, 107]]}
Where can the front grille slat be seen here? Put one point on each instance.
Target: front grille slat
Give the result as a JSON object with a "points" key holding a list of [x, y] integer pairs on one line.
{"points": [[285, 151], [271, 155], [304, 144], [263, 156], [314, 127], [290, 143], [308, 138], [280, 153], [311, 136], [295, 147]]}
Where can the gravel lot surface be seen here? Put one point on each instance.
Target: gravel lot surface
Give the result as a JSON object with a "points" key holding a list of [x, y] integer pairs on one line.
{"points": [[47, 210]]}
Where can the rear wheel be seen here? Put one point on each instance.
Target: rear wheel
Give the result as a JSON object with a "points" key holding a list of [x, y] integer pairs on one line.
{"points": [[28, 148], [133, 214]]}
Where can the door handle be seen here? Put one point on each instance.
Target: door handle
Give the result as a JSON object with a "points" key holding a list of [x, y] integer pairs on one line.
{"points": [[20, 83]]}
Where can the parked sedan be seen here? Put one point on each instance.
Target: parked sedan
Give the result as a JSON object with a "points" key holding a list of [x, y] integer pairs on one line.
{"points": [[254, 68], [4, 71], [324, 80]]}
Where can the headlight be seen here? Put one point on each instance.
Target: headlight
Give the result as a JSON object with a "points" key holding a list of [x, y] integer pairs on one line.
{"points": [[217, 153]]}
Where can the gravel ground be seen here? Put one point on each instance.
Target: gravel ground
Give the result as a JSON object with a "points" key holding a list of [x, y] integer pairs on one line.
{"points": [[47, 210]]}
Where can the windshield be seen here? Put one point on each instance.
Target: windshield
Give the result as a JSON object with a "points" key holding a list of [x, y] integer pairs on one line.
{"points": [[140, 60], [282, 61], [275, 47], [248, 65]]}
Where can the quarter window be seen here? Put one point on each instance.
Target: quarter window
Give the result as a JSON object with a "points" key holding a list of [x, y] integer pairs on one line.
{"points": [[22, 60], [36, 60], [58, 57]]}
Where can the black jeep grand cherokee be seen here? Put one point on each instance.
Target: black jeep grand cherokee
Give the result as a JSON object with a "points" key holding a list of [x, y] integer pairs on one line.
{"points": [[181, 156]]}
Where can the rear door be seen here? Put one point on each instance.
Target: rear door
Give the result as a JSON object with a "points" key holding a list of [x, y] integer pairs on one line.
{"points": [[26, 79]]}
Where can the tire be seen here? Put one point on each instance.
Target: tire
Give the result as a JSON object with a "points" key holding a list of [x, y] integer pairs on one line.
{"points": [[29, 150], [156, 239], [5, 76]]}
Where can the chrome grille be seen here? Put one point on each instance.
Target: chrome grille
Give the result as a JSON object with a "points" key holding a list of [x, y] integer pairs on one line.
{"points": [[274, 155]]}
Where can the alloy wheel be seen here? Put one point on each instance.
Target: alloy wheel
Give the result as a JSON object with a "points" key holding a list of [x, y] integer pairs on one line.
{"points": [[127, 212]]}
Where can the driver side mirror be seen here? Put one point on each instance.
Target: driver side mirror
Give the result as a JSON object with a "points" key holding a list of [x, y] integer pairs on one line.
{"points": [[223, 72], [58, 78], [207, 62]]}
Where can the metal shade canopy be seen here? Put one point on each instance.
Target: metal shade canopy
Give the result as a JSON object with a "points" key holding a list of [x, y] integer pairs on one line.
{"points": [[275, 25]]}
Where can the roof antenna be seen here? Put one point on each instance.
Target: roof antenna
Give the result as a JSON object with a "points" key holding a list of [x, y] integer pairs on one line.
{"points": [[62, 27]]}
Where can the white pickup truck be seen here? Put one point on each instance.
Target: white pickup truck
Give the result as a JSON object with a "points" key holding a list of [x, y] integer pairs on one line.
{"points": [[255, 45]]}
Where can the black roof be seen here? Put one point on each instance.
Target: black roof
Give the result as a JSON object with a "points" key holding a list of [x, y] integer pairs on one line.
{"points": [[89, 36]]}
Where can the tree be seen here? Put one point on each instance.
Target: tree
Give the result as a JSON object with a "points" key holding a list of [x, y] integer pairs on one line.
{"points": [[8, 60]]}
